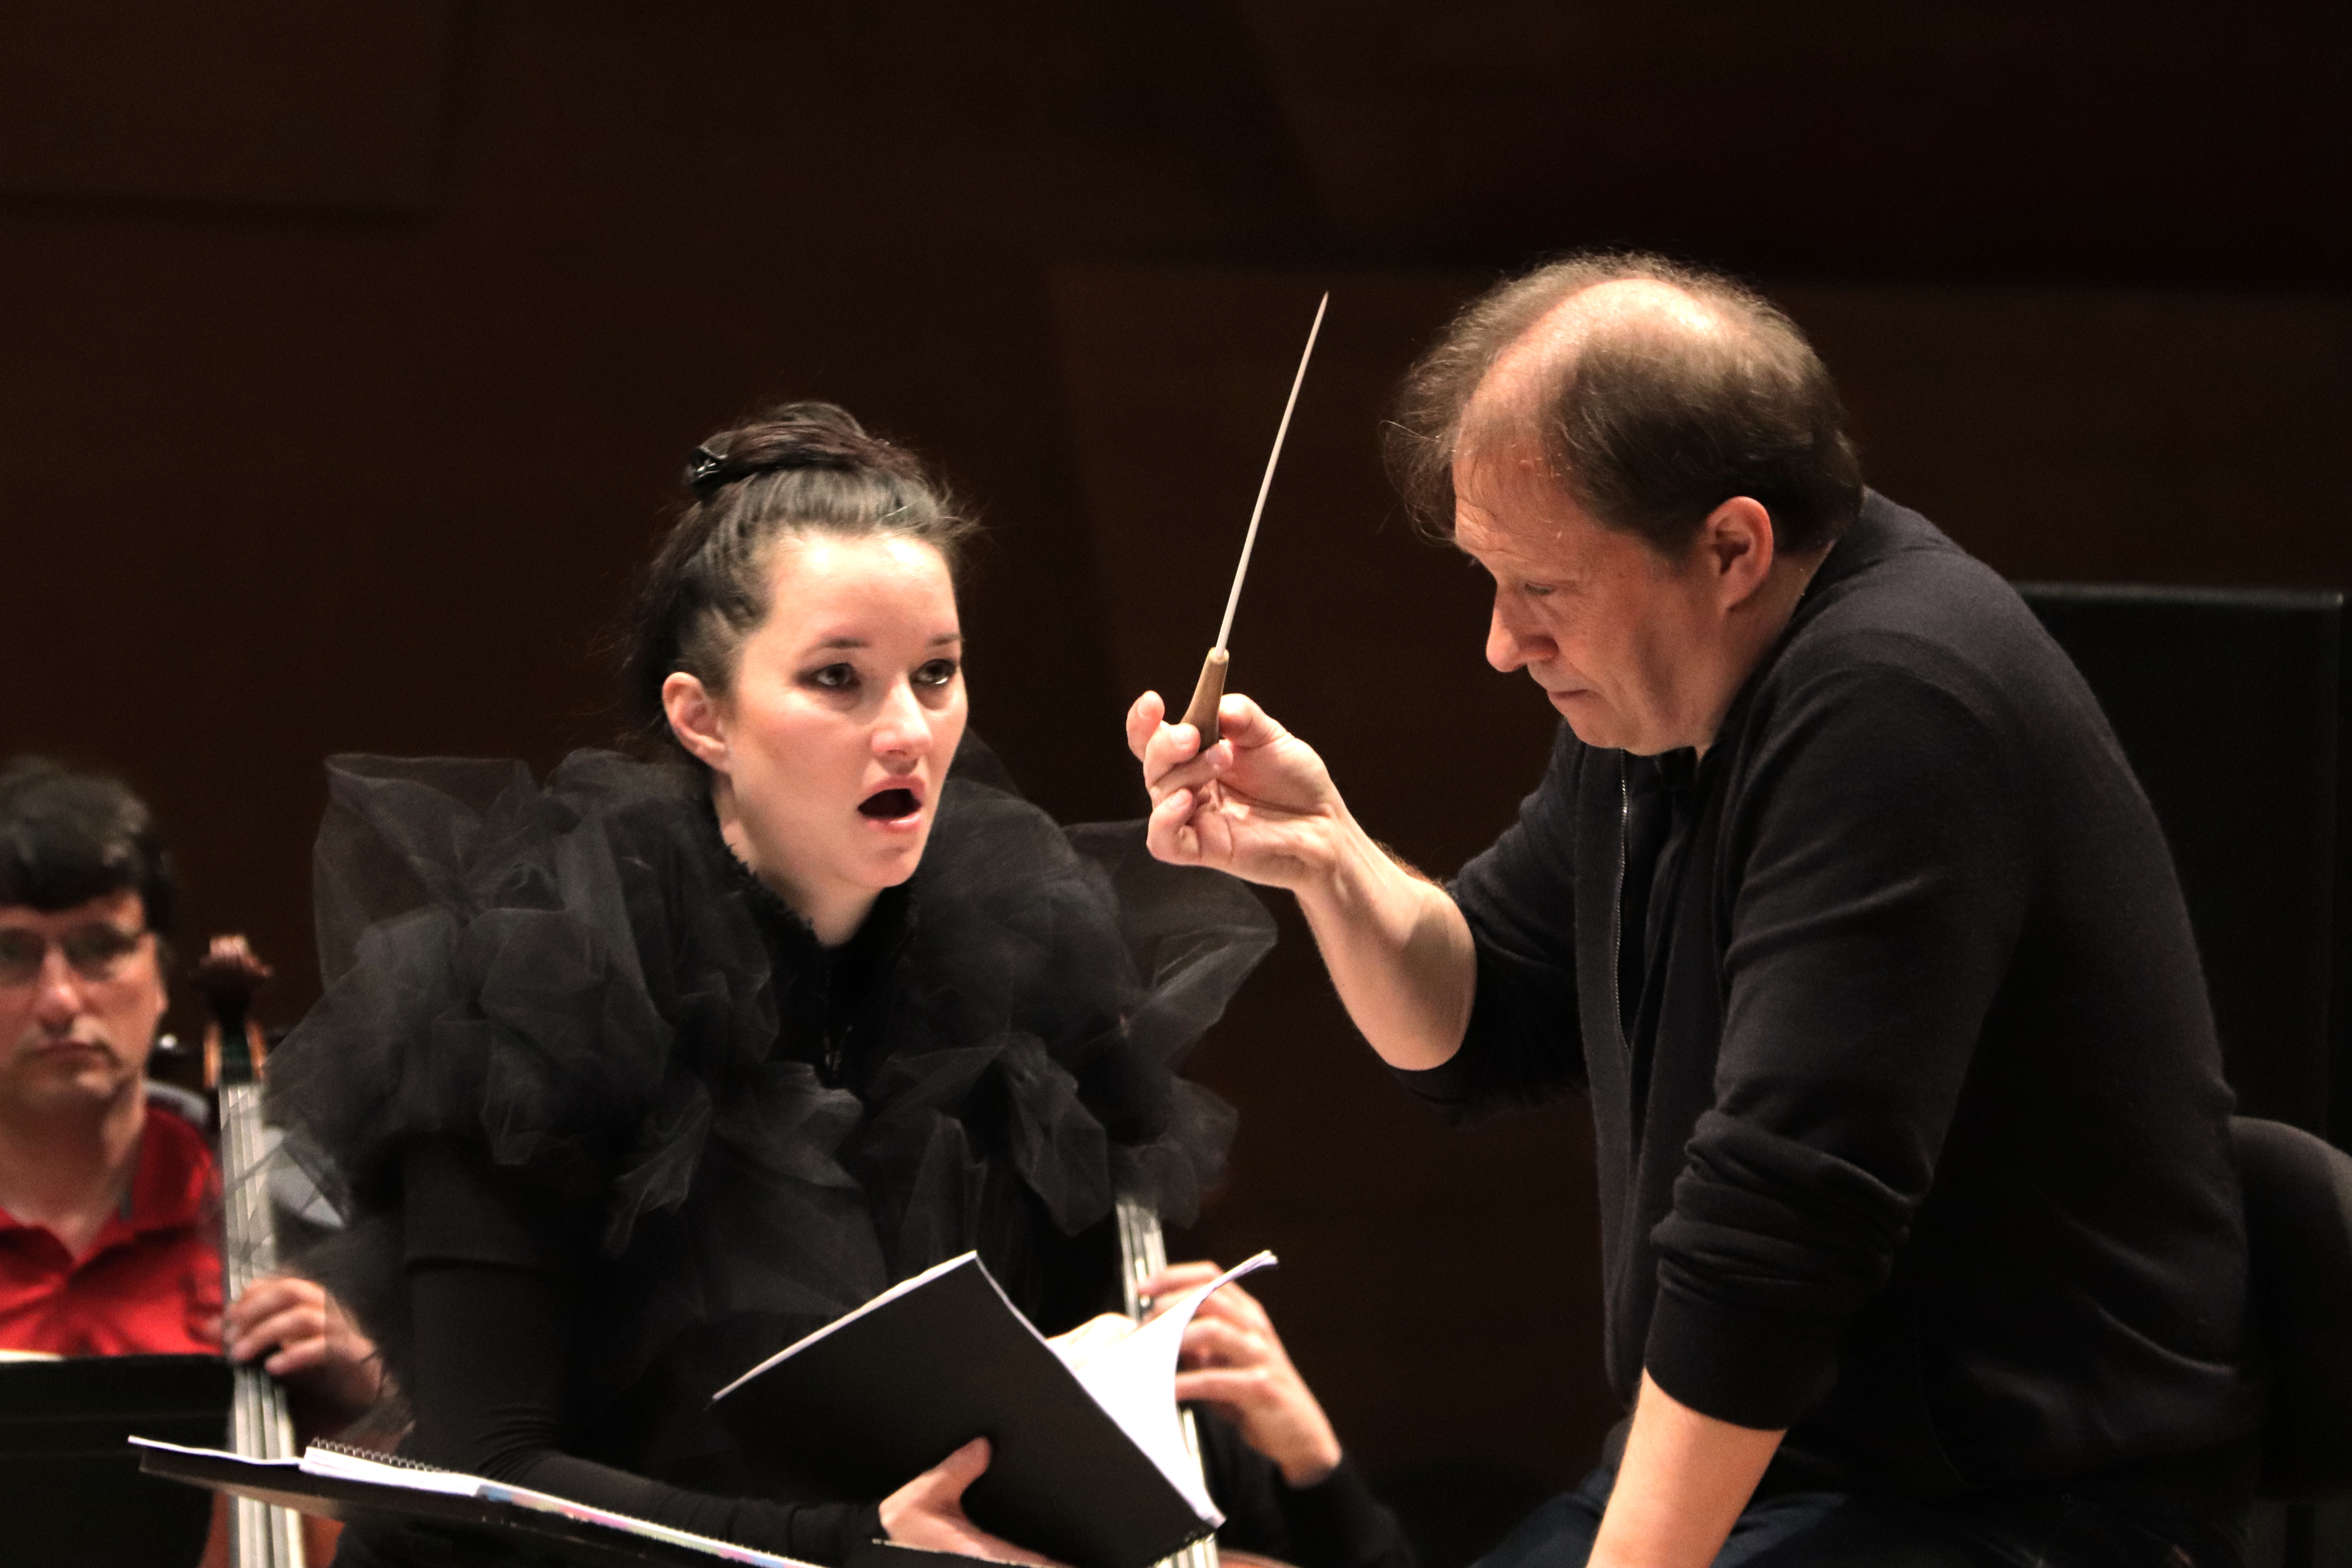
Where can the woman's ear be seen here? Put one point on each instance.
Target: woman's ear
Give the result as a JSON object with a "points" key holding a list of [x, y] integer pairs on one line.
{"points": [[697, 719]]}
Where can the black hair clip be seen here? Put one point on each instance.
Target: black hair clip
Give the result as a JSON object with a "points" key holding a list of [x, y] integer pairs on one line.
{"points": [[703, 469]]}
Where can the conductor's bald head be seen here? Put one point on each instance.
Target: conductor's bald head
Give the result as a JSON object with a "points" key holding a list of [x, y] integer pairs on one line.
{"points": [[1648, 391]]}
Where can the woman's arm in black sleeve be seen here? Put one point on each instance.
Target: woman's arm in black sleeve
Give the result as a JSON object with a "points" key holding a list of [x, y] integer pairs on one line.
{"points": [[1334, 1523], [488, 1396], [492, 1343]]}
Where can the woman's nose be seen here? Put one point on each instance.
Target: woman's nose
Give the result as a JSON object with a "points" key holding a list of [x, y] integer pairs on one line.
{"points": [[903, 728]]}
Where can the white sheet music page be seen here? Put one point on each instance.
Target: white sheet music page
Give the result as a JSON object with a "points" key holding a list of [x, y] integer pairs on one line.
{"points": [[318, 1461], [1134, 1381]]}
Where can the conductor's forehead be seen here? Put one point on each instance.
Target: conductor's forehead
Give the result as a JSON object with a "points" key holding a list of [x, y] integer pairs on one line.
{"points": [[1507, 482], [1512, 518], [1498, 480]]}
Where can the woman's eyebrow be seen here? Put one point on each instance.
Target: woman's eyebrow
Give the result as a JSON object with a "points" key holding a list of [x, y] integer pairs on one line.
{"points": [[939, 641]]}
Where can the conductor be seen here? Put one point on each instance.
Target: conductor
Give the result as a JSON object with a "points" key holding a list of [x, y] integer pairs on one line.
{"points": [[1920, 1225]]}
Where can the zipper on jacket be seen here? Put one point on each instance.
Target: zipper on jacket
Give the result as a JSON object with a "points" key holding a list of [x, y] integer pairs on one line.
{"points": [[1617, 913]]}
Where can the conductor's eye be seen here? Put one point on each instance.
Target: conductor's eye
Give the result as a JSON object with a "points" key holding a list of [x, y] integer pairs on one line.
{"points": [[832, 678], [936, 672]]}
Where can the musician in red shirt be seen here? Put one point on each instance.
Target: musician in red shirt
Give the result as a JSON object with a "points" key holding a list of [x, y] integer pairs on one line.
{"points": [[109, 1195]]}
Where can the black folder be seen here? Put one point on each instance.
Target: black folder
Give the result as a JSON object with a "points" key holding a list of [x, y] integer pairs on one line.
{"points": [[73, 1493], [891, 1390]]}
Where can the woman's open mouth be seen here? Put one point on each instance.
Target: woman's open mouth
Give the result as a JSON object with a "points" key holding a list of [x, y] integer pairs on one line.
{"points": [[890, 804]]}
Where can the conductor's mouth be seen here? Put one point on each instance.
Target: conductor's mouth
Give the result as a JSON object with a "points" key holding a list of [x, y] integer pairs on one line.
{"points": [[890, 804]]}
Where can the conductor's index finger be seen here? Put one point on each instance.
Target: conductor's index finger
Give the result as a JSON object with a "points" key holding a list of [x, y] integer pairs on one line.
{"points": [[1143, 720]]}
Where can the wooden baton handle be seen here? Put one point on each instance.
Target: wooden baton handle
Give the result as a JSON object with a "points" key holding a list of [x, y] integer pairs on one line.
{"points": [[1202, 713]]}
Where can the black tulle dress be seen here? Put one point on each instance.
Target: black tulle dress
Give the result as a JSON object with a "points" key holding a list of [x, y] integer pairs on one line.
{"points": [[611, 1126]]}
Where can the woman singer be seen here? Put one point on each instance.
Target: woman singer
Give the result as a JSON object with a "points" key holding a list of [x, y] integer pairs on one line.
{"points": [[634, 1077]]}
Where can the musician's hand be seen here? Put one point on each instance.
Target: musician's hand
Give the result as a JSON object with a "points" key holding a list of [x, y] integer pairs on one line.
{"points": [[1258, 804], [1080, 1345], [1233, 1362], [927, 1511], [312, 1343]]}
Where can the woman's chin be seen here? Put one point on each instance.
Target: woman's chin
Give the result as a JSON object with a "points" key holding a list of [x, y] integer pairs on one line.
{"points": [[893, 860]]}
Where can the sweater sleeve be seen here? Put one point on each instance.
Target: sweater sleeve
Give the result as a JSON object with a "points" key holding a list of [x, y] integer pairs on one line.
{"points": [[1522, 1045], [493, 1326], [1880, 860], [1335, 1523]]}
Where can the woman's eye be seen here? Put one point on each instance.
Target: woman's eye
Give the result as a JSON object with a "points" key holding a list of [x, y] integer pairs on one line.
{"points": [[937, 672], [832, 678]]}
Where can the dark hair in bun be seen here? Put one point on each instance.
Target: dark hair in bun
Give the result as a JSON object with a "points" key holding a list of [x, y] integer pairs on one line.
{"points": [[799, 470]]}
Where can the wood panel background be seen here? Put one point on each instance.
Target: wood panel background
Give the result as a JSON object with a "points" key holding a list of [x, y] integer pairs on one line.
{"points": [[349, 355]]}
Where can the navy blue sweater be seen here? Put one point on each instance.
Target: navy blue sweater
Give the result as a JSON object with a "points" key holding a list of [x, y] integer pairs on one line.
{"points": [[1912, 1135]]}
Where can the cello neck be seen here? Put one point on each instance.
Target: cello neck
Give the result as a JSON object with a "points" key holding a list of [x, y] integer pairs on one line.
{"points": [[229, 976], [260, 1425]]}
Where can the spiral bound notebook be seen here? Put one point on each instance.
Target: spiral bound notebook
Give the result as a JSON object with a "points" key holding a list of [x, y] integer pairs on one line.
{"points": [[353, 1484], [1089, 1464]]}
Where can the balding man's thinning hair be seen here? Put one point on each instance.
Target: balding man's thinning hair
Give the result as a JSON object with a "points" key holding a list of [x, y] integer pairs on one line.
{"points": [[1648, 427]]}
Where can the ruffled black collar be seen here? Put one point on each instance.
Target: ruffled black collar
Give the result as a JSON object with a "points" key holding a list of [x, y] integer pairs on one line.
{"points": [[822, 992]]}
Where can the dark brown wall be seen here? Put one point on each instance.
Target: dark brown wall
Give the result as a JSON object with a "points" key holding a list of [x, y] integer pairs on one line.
{"points": [[348, 353]]}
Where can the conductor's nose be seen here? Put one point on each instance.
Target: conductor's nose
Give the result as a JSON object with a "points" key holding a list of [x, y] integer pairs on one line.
{"points": [[1504, 650]]}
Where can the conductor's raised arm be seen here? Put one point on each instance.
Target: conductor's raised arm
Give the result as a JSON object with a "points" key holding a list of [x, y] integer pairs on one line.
{"points": [[1260, 806]]}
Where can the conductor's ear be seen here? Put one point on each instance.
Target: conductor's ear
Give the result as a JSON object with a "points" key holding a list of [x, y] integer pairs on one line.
{"points": [[1738, 541], [698, 718]]}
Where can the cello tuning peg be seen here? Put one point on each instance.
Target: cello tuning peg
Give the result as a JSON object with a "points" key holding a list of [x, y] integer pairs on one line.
{"points": [[231, 967]]}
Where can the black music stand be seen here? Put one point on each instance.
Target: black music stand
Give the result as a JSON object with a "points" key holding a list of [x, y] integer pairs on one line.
{"points": [[72, 1495]]}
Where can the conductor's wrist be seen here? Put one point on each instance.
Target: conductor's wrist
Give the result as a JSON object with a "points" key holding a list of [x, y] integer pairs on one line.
{"points": [[1349, 877]]}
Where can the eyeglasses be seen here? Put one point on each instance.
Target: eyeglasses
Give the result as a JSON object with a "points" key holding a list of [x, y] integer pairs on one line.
{"points": [[96, 952]]}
